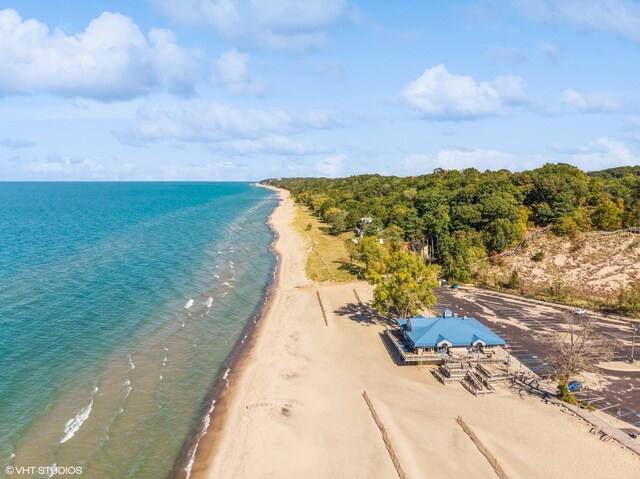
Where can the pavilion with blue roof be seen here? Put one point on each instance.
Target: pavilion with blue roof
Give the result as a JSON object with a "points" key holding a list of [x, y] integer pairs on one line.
{"points": [[444, 335]]}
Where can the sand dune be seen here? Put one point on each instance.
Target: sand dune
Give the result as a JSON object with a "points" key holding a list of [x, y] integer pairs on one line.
{"points": [[297, 410]]}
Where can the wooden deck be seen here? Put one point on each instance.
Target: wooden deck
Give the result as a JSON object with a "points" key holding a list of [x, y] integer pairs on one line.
{"points": [[600, 427], [410, 357]]}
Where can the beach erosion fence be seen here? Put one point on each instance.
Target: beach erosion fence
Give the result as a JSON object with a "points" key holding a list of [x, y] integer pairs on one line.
{"points": [[483, 449], [385, 437], [324, 313]]}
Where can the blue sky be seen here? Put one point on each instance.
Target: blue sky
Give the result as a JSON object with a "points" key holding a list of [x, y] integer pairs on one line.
{"points": [[249, 89]]}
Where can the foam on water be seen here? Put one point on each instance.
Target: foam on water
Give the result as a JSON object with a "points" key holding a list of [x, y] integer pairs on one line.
{"points": [[188, 304], [209, 302], [203, 431], [73, 424], [127, 389]]}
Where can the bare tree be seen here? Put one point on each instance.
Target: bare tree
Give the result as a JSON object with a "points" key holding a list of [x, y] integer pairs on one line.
{"points": [[578, 347]]}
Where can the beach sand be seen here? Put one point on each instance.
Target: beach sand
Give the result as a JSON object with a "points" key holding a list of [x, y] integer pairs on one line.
{"points": [[296, 408]]}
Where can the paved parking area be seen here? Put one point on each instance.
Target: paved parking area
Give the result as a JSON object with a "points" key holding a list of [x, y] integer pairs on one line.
{"points": [[522, 323]]}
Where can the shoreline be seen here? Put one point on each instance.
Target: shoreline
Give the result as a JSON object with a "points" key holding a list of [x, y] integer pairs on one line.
{"points": [[200, 446]]}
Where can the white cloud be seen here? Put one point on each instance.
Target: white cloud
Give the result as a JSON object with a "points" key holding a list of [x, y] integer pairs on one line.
{"points": [[217, 122], [331, 166], [273, 144], [501, 54], [226, 129], [206, 124], [589, 102], [621, 17], [110, 60], [16, 143], [550, 51], [603, 153], [66, 165], [631, 128], [232, 69], [272, 24], [459, 159], [440, 95], [220, 170], [322, 119], [59, 167]]}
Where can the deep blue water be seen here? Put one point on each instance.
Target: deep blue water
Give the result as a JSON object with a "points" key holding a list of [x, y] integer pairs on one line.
{"points": [[101, 364]]}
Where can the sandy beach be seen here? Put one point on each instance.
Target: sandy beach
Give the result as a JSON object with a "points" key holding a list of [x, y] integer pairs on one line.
{"points": [[296, 408]]}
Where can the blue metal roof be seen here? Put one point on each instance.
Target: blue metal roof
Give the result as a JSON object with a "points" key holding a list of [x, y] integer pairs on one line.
{"points": [[429, 332]]}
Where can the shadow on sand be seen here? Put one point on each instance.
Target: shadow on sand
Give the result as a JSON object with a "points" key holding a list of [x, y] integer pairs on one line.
{"points": [[363, 314], [391, 349], [366, 315]]}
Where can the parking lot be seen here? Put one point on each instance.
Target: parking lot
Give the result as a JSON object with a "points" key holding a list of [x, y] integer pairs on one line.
{"points": [[522, 323]]}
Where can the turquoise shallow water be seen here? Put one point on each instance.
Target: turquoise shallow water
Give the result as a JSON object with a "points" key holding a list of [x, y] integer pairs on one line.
{"points": [[119, 303]]}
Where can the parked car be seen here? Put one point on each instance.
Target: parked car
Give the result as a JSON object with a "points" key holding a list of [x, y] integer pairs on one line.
{"points": [[631, 432], [580, 311], [454, 286], [574, 386]]}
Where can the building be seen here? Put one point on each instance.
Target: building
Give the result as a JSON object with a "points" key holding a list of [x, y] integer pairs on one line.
{"points": [[422, 339]]}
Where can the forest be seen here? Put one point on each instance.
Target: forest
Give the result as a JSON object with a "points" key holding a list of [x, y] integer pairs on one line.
{"points": [[460, 217]]}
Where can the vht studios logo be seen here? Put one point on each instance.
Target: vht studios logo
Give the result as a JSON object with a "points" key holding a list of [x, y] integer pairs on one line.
{"points": [[48, 471]]}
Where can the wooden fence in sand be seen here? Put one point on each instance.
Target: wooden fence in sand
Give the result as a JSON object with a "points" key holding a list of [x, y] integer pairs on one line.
{"points": [[625, 231], [483, 449], [385, 437], [324, 313]]}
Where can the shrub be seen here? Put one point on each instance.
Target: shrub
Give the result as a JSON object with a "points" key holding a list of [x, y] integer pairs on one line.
{"points": [[496, 259], [539, 256], [514, 280], [566, 227]]}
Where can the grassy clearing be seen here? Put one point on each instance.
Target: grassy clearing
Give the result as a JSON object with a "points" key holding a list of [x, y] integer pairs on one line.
{"points": [[328, 257]]}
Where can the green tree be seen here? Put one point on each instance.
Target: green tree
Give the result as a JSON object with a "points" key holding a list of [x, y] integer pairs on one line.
{"points": [[393, 237], [607, 215], [566, 227], [336, 219], [629, 297], [403, 284], [369, 251], [500, 234]]}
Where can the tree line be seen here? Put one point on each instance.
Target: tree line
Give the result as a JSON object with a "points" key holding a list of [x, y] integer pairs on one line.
{"points": [[463, 216]]}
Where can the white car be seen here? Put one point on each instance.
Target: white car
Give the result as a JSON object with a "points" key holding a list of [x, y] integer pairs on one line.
{"points": [[580, 311]]}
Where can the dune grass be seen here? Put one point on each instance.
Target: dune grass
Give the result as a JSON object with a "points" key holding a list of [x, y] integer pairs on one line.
{"points": [[327, 255]]}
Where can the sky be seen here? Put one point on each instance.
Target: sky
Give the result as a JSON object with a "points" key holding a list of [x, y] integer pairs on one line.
{"points": [[250, 89]]}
